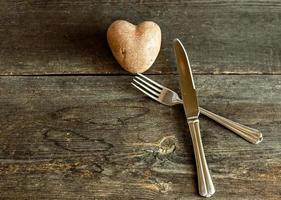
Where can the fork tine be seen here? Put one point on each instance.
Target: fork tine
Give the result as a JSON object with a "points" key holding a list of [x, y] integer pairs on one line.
{"points": [[146, 88], [145, 92], [148, 84], [148, 79]]}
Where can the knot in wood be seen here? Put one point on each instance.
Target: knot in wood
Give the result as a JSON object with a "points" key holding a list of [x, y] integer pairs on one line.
{"points": [[167, 145]]}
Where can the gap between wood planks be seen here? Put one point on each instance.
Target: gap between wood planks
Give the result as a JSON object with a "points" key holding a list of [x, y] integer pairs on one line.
{"points": [[126, 74]]}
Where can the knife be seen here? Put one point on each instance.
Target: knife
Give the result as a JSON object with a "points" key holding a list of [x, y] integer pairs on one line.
{"points": [[191, 108]]}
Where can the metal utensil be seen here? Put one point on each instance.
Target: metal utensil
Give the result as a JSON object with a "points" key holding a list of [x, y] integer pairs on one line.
{"points": [[168, 97], [191, 108]]}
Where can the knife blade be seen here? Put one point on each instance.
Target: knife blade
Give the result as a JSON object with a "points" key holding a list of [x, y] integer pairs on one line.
{"points": [[188, 91], [191, 108]]}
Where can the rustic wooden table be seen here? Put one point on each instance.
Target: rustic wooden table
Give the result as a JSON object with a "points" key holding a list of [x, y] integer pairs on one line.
{"points": [[72, 126]]}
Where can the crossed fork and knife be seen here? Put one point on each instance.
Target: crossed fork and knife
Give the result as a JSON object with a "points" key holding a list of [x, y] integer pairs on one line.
{"points": [[168, 97]]}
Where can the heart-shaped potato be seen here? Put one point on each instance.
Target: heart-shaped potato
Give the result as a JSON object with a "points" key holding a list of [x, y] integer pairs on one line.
{"points": [[134, 47]]}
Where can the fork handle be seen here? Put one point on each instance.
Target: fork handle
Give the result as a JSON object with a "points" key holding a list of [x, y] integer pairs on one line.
{"points": [[251, 135], [205, 183]]}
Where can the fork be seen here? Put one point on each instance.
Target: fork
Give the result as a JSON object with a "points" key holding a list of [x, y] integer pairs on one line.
{"points": [[168, 97]]}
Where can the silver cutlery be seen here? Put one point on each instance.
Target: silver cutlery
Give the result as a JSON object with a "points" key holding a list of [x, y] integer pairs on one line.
{"points": [[191, 108], [168, 97]]}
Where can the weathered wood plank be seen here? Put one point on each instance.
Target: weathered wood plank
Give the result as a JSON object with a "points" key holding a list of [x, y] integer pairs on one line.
{"points": [[97, 137], [68, 37]]}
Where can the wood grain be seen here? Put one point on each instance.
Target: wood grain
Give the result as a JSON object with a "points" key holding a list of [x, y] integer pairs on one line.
{"points": [[85, 137], [70, 131], [69, 36]]}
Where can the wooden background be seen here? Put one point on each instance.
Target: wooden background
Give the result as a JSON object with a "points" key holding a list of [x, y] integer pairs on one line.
{"points": [[72, 126]]}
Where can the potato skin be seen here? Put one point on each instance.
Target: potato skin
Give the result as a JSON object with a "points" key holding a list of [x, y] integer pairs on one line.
{"points": [[134, 47]]}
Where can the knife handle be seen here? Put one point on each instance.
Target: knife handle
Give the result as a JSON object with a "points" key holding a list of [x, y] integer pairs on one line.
{"points": [[251, 135], [205, 183]]}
